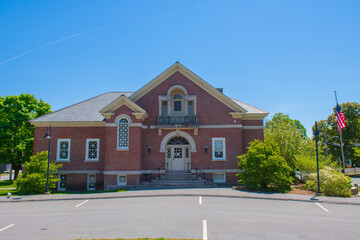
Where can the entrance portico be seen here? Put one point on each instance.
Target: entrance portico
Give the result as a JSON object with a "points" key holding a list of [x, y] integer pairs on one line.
{"points": [[178, 155], [177, 146]]}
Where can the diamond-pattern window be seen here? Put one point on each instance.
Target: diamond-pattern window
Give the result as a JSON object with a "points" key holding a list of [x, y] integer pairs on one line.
{"points": [[122, 180], [92, 150], [63, 151], [218, 149], [219, 178], [91, 181], [62, 182], [123, 133]]}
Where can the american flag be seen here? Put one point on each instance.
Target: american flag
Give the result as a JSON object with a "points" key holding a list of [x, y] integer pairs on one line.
{"points": [[340, 118]]}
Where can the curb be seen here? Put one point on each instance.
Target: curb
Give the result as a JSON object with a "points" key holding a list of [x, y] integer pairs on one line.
{"points": [[15, 200]]}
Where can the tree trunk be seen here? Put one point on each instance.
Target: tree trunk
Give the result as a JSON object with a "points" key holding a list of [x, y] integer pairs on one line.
{"points": [[17, 168]]}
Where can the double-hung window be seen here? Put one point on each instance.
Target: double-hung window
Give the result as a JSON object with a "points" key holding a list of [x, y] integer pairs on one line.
{"points": [[63, 150], [218, 149], [92, 150]]}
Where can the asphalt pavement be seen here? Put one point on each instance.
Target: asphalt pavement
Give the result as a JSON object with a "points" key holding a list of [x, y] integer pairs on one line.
{"points": [[178, 216]]}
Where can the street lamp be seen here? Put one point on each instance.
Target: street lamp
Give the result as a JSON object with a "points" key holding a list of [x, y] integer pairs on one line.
{"points": [[317, 132], [48, 136]]}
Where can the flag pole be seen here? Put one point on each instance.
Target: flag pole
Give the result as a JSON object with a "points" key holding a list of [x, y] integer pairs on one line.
{"points": [[341, 144]]}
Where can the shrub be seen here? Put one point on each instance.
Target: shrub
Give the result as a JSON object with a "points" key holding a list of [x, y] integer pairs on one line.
{"points": [[33, 180], [332, 183], [264, 168]]}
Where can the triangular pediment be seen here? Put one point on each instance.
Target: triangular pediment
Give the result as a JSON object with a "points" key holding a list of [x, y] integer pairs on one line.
{"points": [[109, 110], [178, 67]]}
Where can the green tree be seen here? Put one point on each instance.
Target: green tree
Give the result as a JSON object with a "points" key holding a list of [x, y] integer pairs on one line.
{"points": [[16, 132], [288, 134], [306, 159], [350, 134], [264, 168], [33, 180], [356, 159]]}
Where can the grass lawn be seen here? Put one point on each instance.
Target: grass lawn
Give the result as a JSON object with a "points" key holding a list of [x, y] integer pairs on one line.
{"points": [[7, 184]]}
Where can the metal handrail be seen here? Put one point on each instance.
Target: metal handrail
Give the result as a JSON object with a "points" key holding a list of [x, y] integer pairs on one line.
{"points": [[196, 172], [156, 170], [173, 120]]}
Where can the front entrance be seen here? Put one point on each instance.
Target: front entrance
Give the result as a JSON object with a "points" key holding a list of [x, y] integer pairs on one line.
{"points": [[178, 155]]}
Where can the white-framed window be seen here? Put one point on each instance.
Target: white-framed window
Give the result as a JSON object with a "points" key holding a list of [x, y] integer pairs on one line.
{"points": [[92, 150], [91, 182], [122, 180], [63, 150], [62, 182], [123, 134], [219, 177], [218, 149]]}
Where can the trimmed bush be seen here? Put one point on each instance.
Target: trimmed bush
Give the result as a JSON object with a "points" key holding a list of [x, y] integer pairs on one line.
{"points": [[332, 183], [264, 168], [34, 178]]}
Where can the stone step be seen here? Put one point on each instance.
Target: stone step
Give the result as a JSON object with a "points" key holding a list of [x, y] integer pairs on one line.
{"points": [[145, 185], [166, 176], [177, 181]]}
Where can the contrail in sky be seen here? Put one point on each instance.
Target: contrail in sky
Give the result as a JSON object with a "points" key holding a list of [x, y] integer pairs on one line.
{"points": [[103, 28]]}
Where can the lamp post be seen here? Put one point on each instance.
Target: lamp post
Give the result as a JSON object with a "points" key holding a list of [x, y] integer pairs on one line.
{"points": [[317, 132], [48, 136]]}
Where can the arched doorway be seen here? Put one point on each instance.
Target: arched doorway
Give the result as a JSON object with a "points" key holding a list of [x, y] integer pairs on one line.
{"points": [[178, 154]]}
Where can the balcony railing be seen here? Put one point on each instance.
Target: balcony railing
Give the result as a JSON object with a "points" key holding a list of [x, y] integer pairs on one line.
{"points": [[183, 120]]}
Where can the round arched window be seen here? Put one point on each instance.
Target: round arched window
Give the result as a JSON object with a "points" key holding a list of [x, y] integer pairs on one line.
{"points": [[123, 133]]}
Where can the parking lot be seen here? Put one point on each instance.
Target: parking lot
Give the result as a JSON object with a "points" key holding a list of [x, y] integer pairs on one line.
{"points": [[192, 217]]}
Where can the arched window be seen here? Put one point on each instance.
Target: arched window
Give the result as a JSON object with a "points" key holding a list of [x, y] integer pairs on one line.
{"points": [[178, 141], [177, 96], [123, 133]]}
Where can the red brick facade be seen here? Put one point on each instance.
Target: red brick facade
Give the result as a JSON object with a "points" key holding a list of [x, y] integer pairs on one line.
{"points": [[146, 136]]}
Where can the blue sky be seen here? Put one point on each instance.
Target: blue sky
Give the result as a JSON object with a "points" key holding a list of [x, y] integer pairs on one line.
{"points": [[281, 56]]}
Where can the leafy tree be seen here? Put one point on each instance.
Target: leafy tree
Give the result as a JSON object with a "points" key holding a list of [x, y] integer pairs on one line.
{"points": [[350, 134], [306, 159], [289, 135], [33, 180], [356, 159], [16, 132], [264, 168]]}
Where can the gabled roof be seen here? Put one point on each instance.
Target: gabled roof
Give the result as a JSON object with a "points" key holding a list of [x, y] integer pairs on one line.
{"points": [[178, 67], [94, 110], [110, 109]]}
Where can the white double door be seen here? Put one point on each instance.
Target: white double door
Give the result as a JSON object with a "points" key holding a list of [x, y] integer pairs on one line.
{"points": [[178, 158]]}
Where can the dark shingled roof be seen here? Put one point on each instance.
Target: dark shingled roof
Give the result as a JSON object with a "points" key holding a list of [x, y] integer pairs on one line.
{"points": [[87, 110]]}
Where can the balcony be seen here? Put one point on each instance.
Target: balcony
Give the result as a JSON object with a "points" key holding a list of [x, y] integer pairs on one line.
{"points": [[183, 120]]}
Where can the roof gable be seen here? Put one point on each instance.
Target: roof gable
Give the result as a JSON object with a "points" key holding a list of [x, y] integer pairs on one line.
{"points": [[110, 109], [178, 67]]}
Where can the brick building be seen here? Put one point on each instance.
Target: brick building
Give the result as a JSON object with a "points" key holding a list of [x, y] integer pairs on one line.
{"points": [[177, 123]]}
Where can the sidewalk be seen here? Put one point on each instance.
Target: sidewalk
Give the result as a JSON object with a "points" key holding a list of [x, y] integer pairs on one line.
{"points": [[205, 192]]}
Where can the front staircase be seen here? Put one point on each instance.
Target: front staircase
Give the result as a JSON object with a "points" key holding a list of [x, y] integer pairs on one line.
{"points": [[177, 180]]}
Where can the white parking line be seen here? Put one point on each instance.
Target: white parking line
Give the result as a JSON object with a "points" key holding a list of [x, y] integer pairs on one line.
{"points": [[204, 230], [82, 203], [200, 200], [7, 227], [322, 207]]}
